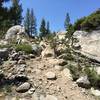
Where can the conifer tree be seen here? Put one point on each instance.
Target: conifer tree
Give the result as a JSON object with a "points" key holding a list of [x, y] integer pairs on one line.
{"points": [[33, 26], [4, 18], [30, 23], [27, 22], [16, 12], [67, 22], [48, 28], [43, 29]]}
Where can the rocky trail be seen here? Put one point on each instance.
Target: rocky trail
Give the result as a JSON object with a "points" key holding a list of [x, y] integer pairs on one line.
{"points": [[50, 82], [55, 87], [40, 77]]}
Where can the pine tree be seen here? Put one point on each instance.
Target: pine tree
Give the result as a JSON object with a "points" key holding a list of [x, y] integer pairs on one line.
{"points": [[2, 1], [48, 28], [4, 18], [67, 21], [43, 28], [27, 22], [16, 12], [30, 23], [33, 29]]}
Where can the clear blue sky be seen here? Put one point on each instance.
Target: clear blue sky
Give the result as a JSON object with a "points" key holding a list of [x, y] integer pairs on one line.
{"points": [[54, 11]]}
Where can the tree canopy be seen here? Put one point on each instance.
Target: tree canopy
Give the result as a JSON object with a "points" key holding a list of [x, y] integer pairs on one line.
{"points": [[88, 23]]}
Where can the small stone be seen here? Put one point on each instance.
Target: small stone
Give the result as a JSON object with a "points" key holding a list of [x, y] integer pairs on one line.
{"points": [[21, 78], [14, 56], [32, 56], [31, 91], [62, 62], [35, 97], [50, 75], [21, 61], [42, 97], [95, 92], [21, 69], [23, 99], [24, 87], [83, 82], [59, 68], [14, 98], [67, 73], [50, 97]]}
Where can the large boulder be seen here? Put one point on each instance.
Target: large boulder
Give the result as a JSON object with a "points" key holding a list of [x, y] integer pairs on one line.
{"points": [[61, 35], [37, 49], [90, 43], [48, 52], [60, 49], [13, 31]]}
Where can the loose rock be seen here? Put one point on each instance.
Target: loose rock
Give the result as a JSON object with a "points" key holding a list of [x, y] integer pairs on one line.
{"points": [[50, 97], [95, 92], [50, 75], [24, 87], [59, 68], [83, 82]]}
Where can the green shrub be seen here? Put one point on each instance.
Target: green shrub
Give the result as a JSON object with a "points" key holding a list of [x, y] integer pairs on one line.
{"points": [[77, 24], [50, 37], [94, 78], [69, 57], [24, 47], [75, 72], [5, 46]]}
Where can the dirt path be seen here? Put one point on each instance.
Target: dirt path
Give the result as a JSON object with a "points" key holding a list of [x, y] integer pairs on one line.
{"points": [[63, 88]]}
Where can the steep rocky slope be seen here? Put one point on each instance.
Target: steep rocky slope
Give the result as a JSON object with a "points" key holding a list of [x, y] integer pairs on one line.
{"points": [[50, 69], [41, 78]]}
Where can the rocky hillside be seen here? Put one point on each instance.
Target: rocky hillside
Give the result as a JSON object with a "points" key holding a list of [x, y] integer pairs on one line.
{"points": [[46, 70]]}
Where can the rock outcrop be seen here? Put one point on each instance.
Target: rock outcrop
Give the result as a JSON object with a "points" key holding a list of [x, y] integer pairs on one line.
{"points": [[13, 31], [90, 43]]}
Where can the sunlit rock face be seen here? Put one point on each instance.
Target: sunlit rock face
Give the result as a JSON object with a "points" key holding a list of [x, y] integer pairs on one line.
{"points": [[61, 34], [13, 31], [90, 43]]}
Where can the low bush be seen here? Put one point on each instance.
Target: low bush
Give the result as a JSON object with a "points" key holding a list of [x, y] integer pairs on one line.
{"points": [[5, 46], [94, 78], [75, 72], [24, 47]]}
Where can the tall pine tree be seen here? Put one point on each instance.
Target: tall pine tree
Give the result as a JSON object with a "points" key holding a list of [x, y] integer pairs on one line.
{"points": [[67, 21], [27, 22], [33, 26], [16, 12], [48, 27], [43, 29], [30, 23], [4, 18]]}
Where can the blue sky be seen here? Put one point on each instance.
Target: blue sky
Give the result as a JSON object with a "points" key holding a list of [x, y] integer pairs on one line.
{"points": [[54, 11]]}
